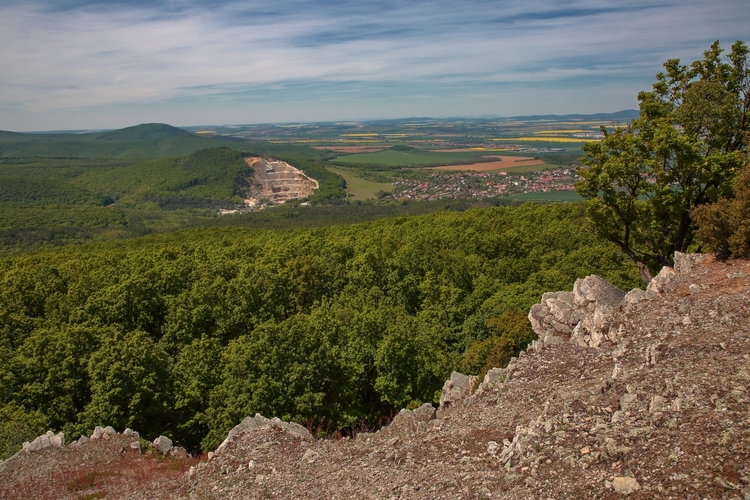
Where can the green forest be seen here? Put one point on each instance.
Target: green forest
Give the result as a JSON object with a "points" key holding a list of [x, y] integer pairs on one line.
{"points": [[338, 327]]}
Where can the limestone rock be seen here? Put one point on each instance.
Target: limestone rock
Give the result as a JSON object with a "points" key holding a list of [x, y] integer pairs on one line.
{"points": [[110, 430], [130, 433], [659, 281], [98, 432], [424, 413], [178, 452], [50, 439], [163, 444], [598, 290], [583, 316], [135, 445], [259, 421], [459, 386], [493, 377], [310, 455], [407, 422], [636, 295]]}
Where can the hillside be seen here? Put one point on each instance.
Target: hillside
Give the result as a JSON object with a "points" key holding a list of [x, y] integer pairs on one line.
{"points": [[151, 140], [657, 410]]}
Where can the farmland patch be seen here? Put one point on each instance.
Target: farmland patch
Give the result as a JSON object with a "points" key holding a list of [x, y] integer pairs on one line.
{"points": [[352, 149], [358, 188], [412, 158], [502, 163]]}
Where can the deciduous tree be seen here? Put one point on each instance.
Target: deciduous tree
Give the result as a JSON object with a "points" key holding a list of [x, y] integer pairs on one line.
{"points": [[642, 182]]}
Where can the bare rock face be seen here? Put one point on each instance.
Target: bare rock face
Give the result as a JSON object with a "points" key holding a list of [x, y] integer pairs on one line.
{"points": [[582, 316], [457, 387], [130, 433], [658, 410], [259, 421], [625, 485]]}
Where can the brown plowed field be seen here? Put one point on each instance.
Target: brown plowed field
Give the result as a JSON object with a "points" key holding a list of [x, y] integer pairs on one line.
{"points": [[503, 162]]}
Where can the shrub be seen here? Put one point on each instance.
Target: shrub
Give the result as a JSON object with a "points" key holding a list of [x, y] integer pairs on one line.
{"points": [[724, 226]]}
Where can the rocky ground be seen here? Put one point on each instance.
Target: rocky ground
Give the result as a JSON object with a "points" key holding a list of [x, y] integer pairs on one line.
{"points": [[657, 409]]}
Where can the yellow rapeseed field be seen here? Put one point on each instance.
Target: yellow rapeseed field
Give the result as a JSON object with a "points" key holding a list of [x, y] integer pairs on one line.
{"points": [[547, 139]]}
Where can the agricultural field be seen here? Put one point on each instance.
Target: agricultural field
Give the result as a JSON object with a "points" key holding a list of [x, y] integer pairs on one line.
{"points": [[411, 158], [359, 188], [497, 163]]}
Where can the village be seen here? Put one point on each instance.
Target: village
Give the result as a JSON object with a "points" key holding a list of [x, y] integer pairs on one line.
{"points": [[483, 184]]}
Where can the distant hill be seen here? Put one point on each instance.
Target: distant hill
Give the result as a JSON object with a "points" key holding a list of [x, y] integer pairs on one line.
{"points": [[143, 131], [628, 114], [148, 140]]}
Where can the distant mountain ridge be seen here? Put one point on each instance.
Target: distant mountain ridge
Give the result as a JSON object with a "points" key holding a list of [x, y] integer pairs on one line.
{"points": [[627, 114]]}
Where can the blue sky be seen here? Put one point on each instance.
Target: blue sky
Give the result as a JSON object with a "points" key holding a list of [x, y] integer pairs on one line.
{"points": [[87, 64]]}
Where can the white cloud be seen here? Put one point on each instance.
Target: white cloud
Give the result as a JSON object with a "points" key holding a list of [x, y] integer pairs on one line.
{"points": [[70, 61]]}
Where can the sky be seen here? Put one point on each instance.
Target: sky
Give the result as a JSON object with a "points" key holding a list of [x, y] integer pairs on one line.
{"points": [[97, 64]]}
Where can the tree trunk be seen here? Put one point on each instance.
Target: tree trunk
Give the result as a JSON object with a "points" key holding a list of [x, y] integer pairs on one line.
{"points": [[646, 275]]}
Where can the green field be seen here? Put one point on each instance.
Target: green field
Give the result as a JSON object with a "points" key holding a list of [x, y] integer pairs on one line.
{"points": [[411, 158], [549, 196], [359, 188], [530, 168]]}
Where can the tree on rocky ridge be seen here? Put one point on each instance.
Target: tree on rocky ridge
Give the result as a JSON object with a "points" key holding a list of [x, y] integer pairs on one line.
{"points": [[642, 182]]}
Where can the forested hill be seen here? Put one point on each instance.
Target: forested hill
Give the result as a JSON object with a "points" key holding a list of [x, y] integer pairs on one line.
{"points": [[141, 141], [189, 332], [143, 131]]}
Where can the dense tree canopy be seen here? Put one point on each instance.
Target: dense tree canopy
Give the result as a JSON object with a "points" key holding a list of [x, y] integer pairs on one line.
{"points": [[187, 333], [643, 181]]}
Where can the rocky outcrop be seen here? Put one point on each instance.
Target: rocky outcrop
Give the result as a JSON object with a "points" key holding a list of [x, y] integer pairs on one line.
{"points": [[259, 421], [493, 377], [409, 423], [455, 388], [50, 439], [581, 316], [103, 432]]}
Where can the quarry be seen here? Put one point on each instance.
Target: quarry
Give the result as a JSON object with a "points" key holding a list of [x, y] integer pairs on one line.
{"points": [[274, 181]]}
